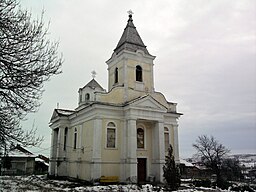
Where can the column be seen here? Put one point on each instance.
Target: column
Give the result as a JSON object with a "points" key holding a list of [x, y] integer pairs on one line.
{"points": [[96, 149], [123, 147], [58, 148], [51, 164], [176, 144], [131, 163], [60, 143], [158, 155], [53, 155]]}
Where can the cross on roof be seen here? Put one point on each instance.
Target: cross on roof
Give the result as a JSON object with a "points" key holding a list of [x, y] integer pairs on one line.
{"points": [[130, 12], [94, 74]]}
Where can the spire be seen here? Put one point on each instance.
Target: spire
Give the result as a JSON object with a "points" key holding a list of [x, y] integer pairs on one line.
{"points": [[130, 39]]}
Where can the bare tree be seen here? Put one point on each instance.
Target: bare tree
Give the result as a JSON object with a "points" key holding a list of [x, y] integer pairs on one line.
{"points": [[27, 60], [211, 153]]}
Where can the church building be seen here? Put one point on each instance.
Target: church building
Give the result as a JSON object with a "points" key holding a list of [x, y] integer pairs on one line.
{"points": [[124, 131]]}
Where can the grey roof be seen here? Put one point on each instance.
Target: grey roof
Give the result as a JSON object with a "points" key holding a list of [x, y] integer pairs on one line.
{"points": [[130, 39], [19, 151], [61, 112], [65, 112], [93, 84]]}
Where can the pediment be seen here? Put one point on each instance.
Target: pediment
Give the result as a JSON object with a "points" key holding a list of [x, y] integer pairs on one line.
{"points": [[61, 112], [147, 102], [54, 115]]}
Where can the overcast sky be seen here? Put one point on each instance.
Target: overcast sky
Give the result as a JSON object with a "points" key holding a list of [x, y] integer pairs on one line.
{"points": [[205, 61]]}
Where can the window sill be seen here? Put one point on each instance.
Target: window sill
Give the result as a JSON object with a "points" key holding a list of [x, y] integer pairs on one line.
{"points": [[141, 149], [110, 148]]}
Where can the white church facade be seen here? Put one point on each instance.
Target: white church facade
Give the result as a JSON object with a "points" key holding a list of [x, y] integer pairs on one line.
{"points": [[122, 132]]}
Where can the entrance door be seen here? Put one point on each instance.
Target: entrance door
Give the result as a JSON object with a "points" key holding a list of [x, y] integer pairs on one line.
{"points": [[142, 169]]}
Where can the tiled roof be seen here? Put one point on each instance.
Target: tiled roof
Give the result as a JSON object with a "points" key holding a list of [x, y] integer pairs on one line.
{"points": [[130, 39]]}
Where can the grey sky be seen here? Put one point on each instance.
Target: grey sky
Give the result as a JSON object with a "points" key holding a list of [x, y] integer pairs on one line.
{"points": [[205, 61]]}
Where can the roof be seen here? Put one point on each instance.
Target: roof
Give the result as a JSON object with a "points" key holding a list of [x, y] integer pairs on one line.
{"points": [[64, 112], [61, 112], [93, 84], [130, 39], [186, 163], [19, 151], [42, 159]]}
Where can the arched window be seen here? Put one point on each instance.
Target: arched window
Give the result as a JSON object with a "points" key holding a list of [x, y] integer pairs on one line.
{"points": [[65, 138], [138, 73], [116, 75], [111, 135], [75, 138], [87, 96], [140, 138], [166, 139]]}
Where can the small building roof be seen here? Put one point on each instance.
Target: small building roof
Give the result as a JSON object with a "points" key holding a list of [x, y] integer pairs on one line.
{"points": [[19, 151], [42, 159], [186, 163]]}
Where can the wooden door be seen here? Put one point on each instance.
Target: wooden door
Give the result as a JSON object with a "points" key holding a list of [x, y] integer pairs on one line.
{"points": [[142, 169]]}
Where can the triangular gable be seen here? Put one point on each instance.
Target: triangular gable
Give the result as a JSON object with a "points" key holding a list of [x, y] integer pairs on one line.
{"points": [[93, 84], [147, 102], [54, 115], [61, 112]]}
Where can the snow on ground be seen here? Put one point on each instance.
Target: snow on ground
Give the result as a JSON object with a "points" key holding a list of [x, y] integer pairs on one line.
{"points": [[40, 183]]}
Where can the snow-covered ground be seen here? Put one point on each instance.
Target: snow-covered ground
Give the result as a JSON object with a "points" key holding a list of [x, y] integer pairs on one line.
{"points": [[40, 183]]}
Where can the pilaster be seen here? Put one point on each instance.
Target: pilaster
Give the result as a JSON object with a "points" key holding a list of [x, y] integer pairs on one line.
{"points": [[125, 79], [96, 151], [131, 161], [123, 152]]}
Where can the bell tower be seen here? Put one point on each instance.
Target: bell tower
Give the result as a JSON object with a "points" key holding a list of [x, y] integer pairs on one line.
{"points": [[131, 65]]}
